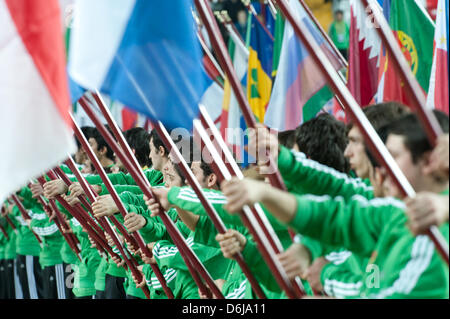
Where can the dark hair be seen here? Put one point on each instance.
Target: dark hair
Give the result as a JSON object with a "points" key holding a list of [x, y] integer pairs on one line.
{"points": [[415, 137], [382, 113], [101, 142], [287, 138], [205, 167], [323, 139], [87, 132], [157, 142], [138, 138]]}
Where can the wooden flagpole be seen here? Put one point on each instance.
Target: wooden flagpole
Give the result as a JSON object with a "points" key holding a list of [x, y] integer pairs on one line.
{"points": [[93, 230], [191, 260], [25, 215]]}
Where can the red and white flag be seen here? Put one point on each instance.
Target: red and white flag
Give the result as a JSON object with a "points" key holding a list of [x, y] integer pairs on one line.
{"points": [[438, 91], [364, 55], [35, 131]]}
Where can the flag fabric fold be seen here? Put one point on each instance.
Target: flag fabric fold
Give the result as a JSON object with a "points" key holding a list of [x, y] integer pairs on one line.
{"points": [[364, 55], [298, 78], [438, 90], [34, 117], [259, 75], [143, 53], [412, 27]]}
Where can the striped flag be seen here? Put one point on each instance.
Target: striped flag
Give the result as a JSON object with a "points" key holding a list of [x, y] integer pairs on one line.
{"points": [[232, 121], [34, 117], [298, 78], [438, 92]]}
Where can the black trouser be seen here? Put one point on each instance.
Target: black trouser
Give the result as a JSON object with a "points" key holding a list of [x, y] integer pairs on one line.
{"points": [[53, 282], [3, 279], [114, 287], [100, 294], [30, 276], [68, 280], [7, 287]]}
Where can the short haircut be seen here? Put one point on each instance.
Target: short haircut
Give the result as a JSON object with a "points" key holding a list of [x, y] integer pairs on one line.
{"points": [[157, 142], [382, 113], [324, 140], [197, 155], [101, 142], [415, 138], [138, 138], [287, 138], [87, 132]]}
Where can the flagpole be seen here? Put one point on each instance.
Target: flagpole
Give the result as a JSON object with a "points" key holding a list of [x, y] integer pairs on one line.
{"points": [[212, 213], [354, 110], [252, 10], [8, 220], [4, 232], [225, 19], [234, 170], [25, 215], [211, 57], [191, 260], [272, 8], [324, 34], [59, 221], [224, 58], [86, 221], [247, 217], [92, 197], [412, 86]]}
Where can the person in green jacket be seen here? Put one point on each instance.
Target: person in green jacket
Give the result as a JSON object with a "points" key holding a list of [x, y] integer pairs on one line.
{"points": [[341, 270], [9, 288], [340, 33], [400, 264], [50, 255], [28, 249]]}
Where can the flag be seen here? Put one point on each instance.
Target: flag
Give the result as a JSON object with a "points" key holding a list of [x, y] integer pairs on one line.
{"points": [[278, 42], [438, 90], [364, 55], [232, 123], [259, 78], [412, 27], [298, 78], [34, 118], [143, 53]]}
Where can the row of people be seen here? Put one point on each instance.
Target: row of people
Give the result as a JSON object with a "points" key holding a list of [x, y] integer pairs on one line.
{"points": [[355, 237]]}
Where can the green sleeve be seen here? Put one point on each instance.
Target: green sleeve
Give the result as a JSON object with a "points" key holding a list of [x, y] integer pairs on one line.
{"points": [[153, 176], [167, 255], [355, 224], [305, 176], [258, 267], [205, 232], [186, 199], [122, 188], [340, 280], [153, 230]]}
